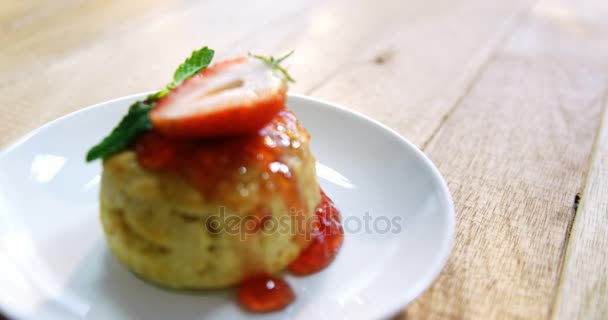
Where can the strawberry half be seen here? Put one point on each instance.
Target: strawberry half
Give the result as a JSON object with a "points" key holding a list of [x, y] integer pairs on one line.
{"points": [[229, 98]]}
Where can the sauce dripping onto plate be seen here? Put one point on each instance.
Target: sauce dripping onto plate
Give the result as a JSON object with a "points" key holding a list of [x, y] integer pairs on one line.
{"points": [[207, 163], [265, 293]]}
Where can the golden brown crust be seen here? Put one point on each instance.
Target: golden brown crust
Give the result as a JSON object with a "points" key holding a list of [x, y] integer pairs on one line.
{"points": [[157, 225]]}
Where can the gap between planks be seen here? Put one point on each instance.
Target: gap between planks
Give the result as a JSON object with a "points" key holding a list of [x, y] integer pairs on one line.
{"points": [[594, 159], [540, 25]]}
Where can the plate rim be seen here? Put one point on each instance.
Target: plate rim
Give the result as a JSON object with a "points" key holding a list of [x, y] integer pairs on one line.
{"points": [[446, 246]]}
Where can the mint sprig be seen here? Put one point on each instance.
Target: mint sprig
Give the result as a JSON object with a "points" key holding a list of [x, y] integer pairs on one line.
{"points": [[136, 121], [197, 61], [131, 125]]}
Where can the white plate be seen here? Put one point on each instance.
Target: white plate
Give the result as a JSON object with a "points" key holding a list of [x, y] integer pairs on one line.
{"points": [[54, 263]]}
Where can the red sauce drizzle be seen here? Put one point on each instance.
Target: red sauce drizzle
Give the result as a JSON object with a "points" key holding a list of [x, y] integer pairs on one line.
{"points": [[214, 166], [264, 293], [328, 235], [255, 295], [223, 168]]}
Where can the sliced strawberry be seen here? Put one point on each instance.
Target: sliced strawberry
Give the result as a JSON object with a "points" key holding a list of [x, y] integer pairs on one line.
{"points": [[229, 98]]}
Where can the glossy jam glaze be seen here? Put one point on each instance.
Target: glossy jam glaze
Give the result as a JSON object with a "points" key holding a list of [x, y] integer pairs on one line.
{"points": [[228, 170], [222, 169], [327, 234], [264, 293]]}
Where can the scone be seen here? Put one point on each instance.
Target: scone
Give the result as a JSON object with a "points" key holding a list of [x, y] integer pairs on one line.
{"points": [[210, 183], [174, 233]]}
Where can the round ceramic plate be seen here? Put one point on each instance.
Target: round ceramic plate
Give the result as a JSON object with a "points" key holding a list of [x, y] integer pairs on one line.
{"points": [[54, 264]]}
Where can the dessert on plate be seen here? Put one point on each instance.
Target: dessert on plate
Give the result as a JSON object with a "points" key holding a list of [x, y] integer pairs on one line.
{"points": [[210, 183]]}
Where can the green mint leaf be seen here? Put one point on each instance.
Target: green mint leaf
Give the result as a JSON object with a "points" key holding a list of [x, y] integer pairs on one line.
{"points": [[198, 61], [135, 122]]}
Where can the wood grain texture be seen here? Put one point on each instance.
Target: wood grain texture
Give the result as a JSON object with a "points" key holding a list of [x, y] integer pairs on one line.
{"points": [[109, 49], [411, 77], [505, 97], [113, 47], [583, 292], [514, 153]]}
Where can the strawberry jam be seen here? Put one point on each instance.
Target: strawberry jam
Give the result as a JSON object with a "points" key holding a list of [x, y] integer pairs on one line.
{"points": [[242, 173], [235, 172], [328, 235], [264, 293]]}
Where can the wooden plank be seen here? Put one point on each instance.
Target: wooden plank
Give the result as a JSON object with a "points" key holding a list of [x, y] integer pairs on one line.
{"points": [[111, 29], [409, 30], [583, 292], [411, 77], [514, 154], [14, 13], [35, 33], [111, 57], [406, 63]]}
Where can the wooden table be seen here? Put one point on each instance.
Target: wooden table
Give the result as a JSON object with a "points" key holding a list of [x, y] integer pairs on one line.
{"points": [[508, 98]]}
